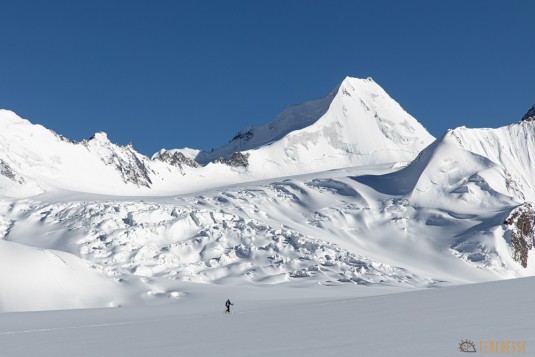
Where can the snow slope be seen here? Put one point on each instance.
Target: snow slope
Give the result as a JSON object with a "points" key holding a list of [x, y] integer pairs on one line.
{"points": [[288, 322], [447, 175], [43, 279], [512, 147], [482, 167]]}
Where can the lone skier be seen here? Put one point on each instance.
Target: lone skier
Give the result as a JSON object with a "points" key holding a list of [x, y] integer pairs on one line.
{"points": [[227, 305]]}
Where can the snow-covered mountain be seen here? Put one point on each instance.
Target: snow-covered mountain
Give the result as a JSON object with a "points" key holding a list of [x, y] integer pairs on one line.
{"points": [[468, 170], [499, 161], [357, 124], [315, 197], [511, 147], [35, 160]]}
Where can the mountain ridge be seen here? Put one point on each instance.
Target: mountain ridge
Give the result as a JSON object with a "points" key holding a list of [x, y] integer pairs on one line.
{"points": [[530, 115], [356, 124]]}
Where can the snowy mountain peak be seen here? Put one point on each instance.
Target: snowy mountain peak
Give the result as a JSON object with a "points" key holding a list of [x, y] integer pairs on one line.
{"points": [[356, 124], [349, 79], [8, 117], [530, 115], [362, 85], [101, 137]]}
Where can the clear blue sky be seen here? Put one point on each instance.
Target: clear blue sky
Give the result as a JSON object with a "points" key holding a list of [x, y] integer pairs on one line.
{"points": [[192, 73]]}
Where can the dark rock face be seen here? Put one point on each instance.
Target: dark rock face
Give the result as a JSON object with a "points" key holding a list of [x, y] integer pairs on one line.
{"points": [[177, 159], [520, 229], [244, 135], [530, 115], [7, 171], [238, 159], [62, 138], [134, 170], [132, 166]]}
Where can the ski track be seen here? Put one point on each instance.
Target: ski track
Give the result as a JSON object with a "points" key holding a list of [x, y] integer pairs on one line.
{"points": [[110, 324], [137, 322]]}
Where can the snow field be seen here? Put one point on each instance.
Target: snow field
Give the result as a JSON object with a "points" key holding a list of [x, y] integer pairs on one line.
{"points": [[285, 321]]}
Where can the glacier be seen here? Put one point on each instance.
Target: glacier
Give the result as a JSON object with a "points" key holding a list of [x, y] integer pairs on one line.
{"points": [[346, 190]]}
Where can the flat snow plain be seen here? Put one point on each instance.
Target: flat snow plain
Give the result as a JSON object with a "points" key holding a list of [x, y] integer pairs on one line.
{"points": [[287, 321]]}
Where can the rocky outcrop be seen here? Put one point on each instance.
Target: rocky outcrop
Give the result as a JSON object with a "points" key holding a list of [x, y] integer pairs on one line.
{"points": [[520, 232], [175, 158], [62, 138], [244, 135], [530, 115], [238, 159], [7, 171], [132, 166]]}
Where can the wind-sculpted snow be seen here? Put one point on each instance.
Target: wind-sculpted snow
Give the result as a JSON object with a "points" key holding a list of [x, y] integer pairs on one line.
{"points": [[448, 171], [5, 225], [474, 170], [334, 186], [199, 245], [329, 229], [511, 147]]}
